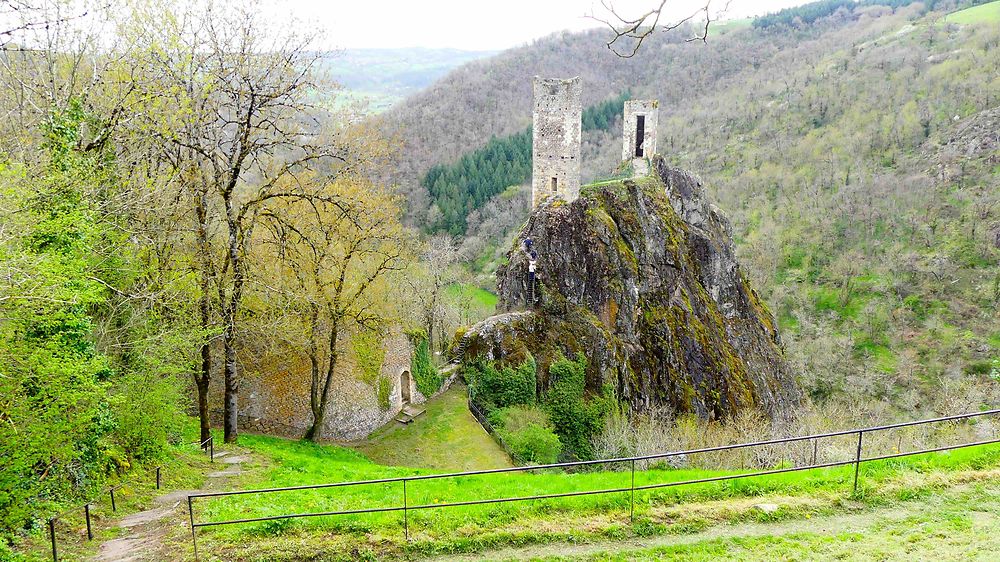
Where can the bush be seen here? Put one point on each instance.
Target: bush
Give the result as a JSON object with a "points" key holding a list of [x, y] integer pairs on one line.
{"points": [[148, 414], [576, 420], [527, 433], [494, 388], [515, 418], [533, 443], [426, 377]]}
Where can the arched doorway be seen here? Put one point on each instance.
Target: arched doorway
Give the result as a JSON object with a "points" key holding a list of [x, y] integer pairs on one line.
{"points": [[404, 386]]}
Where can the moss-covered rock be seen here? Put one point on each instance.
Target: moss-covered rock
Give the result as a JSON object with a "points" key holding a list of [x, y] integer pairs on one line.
{"points": [[641, 276]]}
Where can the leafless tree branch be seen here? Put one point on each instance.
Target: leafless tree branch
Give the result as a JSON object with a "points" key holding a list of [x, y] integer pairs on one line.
{"points": [[629, 33]]}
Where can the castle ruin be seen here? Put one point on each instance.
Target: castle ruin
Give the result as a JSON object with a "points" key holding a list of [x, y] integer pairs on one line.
{"points": [[555, 139], [639, 135]]}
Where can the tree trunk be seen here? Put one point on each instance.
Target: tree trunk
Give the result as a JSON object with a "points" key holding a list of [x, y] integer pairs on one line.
{"points": [[322, 397], [231, 421], [202, 382], [231, 407]]}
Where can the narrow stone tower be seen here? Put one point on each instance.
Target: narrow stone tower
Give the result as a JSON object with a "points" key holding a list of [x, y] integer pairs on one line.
{"points": [[556, 139], [639, 136]]}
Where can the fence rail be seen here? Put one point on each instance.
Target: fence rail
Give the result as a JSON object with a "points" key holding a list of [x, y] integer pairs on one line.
{"points": [[484, 421], [406, 507], [208, 445]]}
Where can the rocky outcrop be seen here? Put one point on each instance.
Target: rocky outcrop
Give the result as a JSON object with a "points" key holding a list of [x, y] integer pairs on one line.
{"points": [[641, 277]]}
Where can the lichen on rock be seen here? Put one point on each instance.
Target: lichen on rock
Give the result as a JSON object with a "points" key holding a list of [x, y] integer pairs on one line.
{"points": [[641, 276]]}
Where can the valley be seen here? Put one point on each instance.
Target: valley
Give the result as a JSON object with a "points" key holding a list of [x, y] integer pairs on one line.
{"points": [[733, 297]]}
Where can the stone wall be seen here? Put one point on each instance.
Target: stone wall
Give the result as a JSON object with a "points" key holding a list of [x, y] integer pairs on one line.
{"points": [[648, 110], [274, 391], [555, 137]]}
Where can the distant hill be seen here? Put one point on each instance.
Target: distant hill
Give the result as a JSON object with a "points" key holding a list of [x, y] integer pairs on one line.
{"points": [[383, 77]]}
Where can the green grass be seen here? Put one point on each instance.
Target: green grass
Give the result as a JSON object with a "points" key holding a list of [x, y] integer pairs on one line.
{"points": [[726, 26], [444, 437], [983, 13], [472, 528], [955, 526], [478, 297]]}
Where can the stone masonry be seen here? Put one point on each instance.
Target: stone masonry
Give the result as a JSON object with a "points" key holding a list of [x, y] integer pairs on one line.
{"points": [[556, 139], [639, 135], [274, 391]]}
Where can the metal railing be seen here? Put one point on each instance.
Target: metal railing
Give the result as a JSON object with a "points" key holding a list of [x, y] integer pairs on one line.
{"points": [[484, 421], [208, 445], [405, 507]]}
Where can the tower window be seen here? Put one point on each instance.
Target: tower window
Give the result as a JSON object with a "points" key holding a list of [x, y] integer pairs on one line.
{"points": [[640, 134], [554, 185]]}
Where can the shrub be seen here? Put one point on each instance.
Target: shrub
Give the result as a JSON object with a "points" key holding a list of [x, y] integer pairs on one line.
{"points": [[426, 377], [515, 418], [533, 443], [147, 414], [494, 388], [576, 420]]}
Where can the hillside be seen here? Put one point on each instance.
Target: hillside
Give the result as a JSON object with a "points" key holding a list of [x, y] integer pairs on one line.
{"points": [[856, 157]]}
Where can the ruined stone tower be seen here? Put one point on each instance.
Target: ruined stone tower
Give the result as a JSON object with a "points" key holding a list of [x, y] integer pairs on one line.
{"points": [[639, 138], [556, 139]]}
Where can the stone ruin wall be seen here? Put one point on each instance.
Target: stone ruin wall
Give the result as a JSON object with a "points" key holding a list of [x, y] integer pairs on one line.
{"points": [[649, 109], [274, 391], [556, 135]]}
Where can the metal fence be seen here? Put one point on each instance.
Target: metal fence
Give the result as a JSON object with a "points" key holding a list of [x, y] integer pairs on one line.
{"points": [[405, 507], [208, 445], [484, 421]]}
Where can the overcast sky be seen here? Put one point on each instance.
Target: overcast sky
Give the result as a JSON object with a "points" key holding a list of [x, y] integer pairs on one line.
{"points": [[472, 24]]}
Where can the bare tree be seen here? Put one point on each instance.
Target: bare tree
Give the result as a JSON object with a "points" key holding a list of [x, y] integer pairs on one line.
{"points": [[434, 275], [629, 32], [244, 131]]}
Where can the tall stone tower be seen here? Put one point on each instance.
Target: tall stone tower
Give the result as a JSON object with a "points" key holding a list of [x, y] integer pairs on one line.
{"points": [[639, 137], [556, 139]]}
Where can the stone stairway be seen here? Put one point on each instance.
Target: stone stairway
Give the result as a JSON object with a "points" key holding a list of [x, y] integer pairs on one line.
{"points": [[460, 348], [408, 414]]}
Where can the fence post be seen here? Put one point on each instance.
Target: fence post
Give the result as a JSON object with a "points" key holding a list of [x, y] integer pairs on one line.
{"points": [[157, 478], [406, 517], [857, 461], [52, 533], [86, 512], [113, 508], [194, 537], [211, 448], [631, 511], [815, 450]]}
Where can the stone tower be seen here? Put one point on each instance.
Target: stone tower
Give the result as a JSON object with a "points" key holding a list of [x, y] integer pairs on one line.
{"points": [[556, 139], [639, 138]]}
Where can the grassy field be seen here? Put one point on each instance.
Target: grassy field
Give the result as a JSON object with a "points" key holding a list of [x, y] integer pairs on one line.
{"points": [[444, 437], [983, 13], [480, 298], [666, 511], [817, 516], [959, 524]]}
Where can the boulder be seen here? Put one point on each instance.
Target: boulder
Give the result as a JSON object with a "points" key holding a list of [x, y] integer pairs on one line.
{"points": [[641, 277]]}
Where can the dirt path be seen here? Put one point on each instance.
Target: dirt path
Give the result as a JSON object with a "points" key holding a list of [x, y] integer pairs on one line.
{"points": [[860, 521], [144, 532]]}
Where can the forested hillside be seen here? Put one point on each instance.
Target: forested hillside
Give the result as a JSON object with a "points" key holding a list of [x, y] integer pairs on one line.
{"points": [[466, 185], [856, 155]]}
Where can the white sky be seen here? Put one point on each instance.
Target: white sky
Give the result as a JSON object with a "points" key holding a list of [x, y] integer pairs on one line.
{"points": [[472, 24]]}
